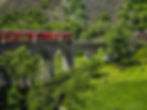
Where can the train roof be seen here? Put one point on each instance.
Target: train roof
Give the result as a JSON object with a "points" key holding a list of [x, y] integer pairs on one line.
{"points": [[35, 31]]}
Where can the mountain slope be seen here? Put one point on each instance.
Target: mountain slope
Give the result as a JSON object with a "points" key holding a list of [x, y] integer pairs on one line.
{"points": [[93, 8]]}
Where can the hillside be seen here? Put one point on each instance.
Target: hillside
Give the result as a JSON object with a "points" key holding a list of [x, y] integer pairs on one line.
{"points": [[10, 5], [93, 8], [116, 87]]}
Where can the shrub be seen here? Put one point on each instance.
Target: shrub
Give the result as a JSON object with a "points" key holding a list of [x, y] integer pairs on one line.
{"points": [[119, 43]]}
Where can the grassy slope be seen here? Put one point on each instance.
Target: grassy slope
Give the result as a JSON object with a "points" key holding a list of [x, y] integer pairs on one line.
{"points": [[122, 89]]}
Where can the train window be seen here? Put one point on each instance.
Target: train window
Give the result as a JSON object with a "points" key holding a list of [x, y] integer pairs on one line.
{"points": [[47, 36], [30, 36], [65, 37], [1, 36], [9, 36], [54, 36], [41, 36], [23, 37], [68, 36], [2, 39], [60, 37]]}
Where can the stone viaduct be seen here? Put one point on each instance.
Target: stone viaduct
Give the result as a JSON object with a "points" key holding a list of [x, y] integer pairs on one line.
{"points": [[48, 50]]}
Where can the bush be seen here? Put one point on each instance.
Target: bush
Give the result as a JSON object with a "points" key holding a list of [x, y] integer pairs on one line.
{"points": [[134, 14], [119, 43], [19, 67], [76, 17], [98, 29]]}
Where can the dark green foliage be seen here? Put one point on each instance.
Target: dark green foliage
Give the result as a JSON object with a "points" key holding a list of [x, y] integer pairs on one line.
{"points": [[20, 67], [132, 17], [74, 7], [134, 14], [11, 61], [80, 82], [29, 19], [98, 29], [64, 89], [76, 20], [45, 4], [119, 43], [105, 17], [44, 95]]}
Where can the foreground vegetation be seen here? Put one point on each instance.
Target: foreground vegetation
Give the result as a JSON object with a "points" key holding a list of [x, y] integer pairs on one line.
{"points": [[117, 87], [91, 86]]}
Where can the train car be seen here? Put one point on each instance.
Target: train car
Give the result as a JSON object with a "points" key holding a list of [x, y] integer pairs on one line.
{"points": [[34, 36]]}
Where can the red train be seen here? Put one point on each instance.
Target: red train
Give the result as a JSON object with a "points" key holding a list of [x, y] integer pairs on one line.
{"points": [[33, 36]]}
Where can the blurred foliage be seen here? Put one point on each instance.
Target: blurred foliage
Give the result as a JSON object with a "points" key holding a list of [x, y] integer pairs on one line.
{"points": [[92, 83], [132, 17], [45, 4], [35, 19], [64, 89], [20, 67], [29, 19], [133, 14], [76, 17], [11, 62], [98, 29], [140, 55], [44, 94], [117, 39]]}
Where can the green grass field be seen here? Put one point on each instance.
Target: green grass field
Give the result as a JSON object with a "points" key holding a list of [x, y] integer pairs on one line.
{"points": [[118, 89]]}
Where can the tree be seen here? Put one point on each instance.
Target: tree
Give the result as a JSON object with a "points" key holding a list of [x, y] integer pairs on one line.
{"points": [[76, 17], [133, 14], [119, 44], [20, 67], [98, 29]]}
